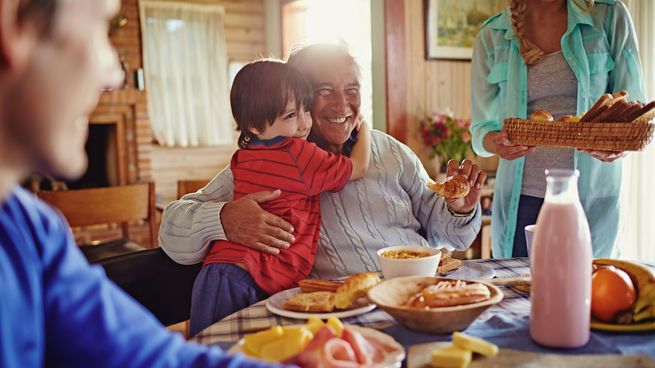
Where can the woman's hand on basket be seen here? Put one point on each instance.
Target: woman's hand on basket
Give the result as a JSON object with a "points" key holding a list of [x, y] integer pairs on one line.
{"points": [[605, 156], [496, 142]]}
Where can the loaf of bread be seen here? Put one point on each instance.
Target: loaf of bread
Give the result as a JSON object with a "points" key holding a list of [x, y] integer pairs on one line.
{"points": [[455, 186], [354, 288], [318, 301]]}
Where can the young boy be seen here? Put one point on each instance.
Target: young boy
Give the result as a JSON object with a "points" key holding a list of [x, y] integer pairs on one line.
{"points": [[270, 102]]}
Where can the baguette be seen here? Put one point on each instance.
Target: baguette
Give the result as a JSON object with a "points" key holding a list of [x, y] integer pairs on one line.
{"points": [[635, 111], [354, 288], [601, 105], [646, 113], [612, 112], [620, 95], [624, 117]]}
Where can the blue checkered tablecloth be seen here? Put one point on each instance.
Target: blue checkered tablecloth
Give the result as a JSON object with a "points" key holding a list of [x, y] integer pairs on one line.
{"points": [[257, 317]]}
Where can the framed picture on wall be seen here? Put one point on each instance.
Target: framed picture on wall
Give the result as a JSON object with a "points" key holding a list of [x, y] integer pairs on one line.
{"points": [[451, 26]]}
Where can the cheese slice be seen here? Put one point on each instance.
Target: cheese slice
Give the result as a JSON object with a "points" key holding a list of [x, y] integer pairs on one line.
{"points": [[450, 357], [475, 344], [253, 342]]}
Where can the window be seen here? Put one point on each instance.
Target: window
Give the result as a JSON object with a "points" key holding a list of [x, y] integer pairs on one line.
{"points": [[185, 62]]}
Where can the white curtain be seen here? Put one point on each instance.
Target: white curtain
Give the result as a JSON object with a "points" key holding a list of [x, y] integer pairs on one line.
{"points": [[185, 61], [637, 236]]}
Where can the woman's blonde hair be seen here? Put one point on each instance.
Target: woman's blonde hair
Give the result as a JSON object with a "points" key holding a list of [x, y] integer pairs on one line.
{"points": [[518, 9]]}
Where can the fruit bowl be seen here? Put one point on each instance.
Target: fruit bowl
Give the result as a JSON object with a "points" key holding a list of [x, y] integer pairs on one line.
{"points": [[390, 296], [642, 312]]}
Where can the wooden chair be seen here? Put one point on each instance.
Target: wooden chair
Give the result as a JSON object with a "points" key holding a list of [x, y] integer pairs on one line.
{"points": [[190, 186], [148, 275], [118, 204]]}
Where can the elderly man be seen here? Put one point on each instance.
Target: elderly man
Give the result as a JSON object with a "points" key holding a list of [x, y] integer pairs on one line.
{"points": [[389, 206]]}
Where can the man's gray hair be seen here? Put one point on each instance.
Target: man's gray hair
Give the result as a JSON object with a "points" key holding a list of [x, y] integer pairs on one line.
{"points": [[303, 56]]}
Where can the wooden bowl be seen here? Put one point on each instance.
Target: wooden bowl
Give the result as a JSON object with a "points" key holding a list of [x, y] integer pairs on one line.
{"points": [[390, 295]]}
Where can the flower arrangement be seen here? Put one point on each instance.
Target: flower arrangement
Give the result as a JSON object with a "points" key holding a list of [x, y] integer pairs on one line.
{"points": [[447, 136]]}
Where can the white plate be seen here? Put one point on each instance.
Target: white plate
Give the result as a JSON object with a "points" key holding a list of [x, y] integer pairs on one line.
{"points": [[275, 302], [392, 358], [471, 271]]}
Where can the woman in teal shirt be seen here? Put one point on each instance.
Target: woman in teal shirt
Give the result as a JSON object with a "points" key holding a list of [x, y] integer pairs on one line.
{"points": [[557, 55]]}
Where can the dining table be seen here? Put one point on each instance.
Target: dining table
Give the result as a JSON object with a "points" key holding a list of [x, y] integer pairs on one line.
{"points": [[506, 324]]}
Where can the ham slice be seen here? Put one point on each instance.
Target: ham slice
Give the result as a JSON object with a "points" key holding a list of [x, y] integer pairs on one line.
{"points": [[352, 350], [366, 352], [339, 354]]}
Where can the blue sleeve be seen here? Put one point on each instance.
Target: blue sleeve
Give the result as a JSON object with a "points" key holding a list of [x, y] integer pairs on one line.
{"points": [[484, 95], [90, 322]]}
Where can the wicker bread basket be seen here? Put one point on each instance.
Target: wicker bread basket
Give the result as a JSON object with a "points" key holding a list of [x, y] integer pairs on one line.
{"points": [[597, 136]]}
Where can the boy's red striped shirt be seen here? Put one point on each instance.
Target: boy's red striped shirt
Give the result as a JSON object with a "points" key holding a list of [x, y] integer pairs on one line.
{"points": [[302, 171]]}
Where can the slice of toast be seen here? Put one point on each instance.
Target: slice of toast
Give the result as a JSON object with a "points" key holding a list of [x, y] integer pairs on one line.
{"points": [[448, 264], [318, 301]]}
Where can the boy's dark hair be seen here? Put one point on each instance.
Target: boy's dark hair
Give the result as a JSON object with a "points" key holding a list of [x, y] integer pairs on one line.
{"points": [[260, 93], [43, 12]]}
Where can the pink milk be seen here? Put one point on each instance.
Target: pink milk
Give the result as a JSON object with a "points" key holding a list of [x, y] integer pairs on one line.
{"points": [[560, 264]]}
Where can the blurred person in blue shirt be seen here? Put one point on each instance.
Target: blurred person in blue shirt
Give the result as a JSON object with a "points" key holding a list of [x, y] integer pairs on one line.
{"points": [[56, 309], [560, 56]]}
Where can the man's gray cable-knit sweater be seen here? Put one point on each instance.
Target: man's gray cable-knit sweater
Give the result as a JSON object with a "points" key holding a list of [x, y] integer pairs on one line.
{"points": [[389, 206]]}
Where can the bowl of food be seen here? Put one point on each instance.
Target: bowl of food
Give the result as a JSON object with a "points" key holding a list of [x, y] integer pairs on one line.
{"points": [[434, 304], [408, 260]]}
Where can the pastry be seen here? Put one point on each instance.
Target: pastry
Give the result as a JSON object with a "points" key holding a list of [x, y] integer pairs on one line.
{"points": [[455, 186], [448, 293], [354, 288], [569, 118], [541, 115], [311, 285], [318, 301]]}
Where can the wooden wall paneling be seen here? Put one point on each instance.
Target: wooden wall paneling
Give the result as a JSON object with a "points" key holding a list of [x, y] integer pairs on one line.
{"points": [[419, 79], [430, 84], [394, 13]]}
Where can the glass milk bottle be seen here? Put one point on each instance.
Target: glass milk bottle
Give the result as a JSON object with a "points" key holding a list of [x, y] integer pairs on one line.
{"points": [[560, 264]]}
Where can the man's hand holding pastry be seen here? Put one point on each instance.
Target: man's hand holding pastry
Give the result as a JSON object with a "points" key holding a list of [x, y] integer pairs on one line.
{"points": [[476, 178]]}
